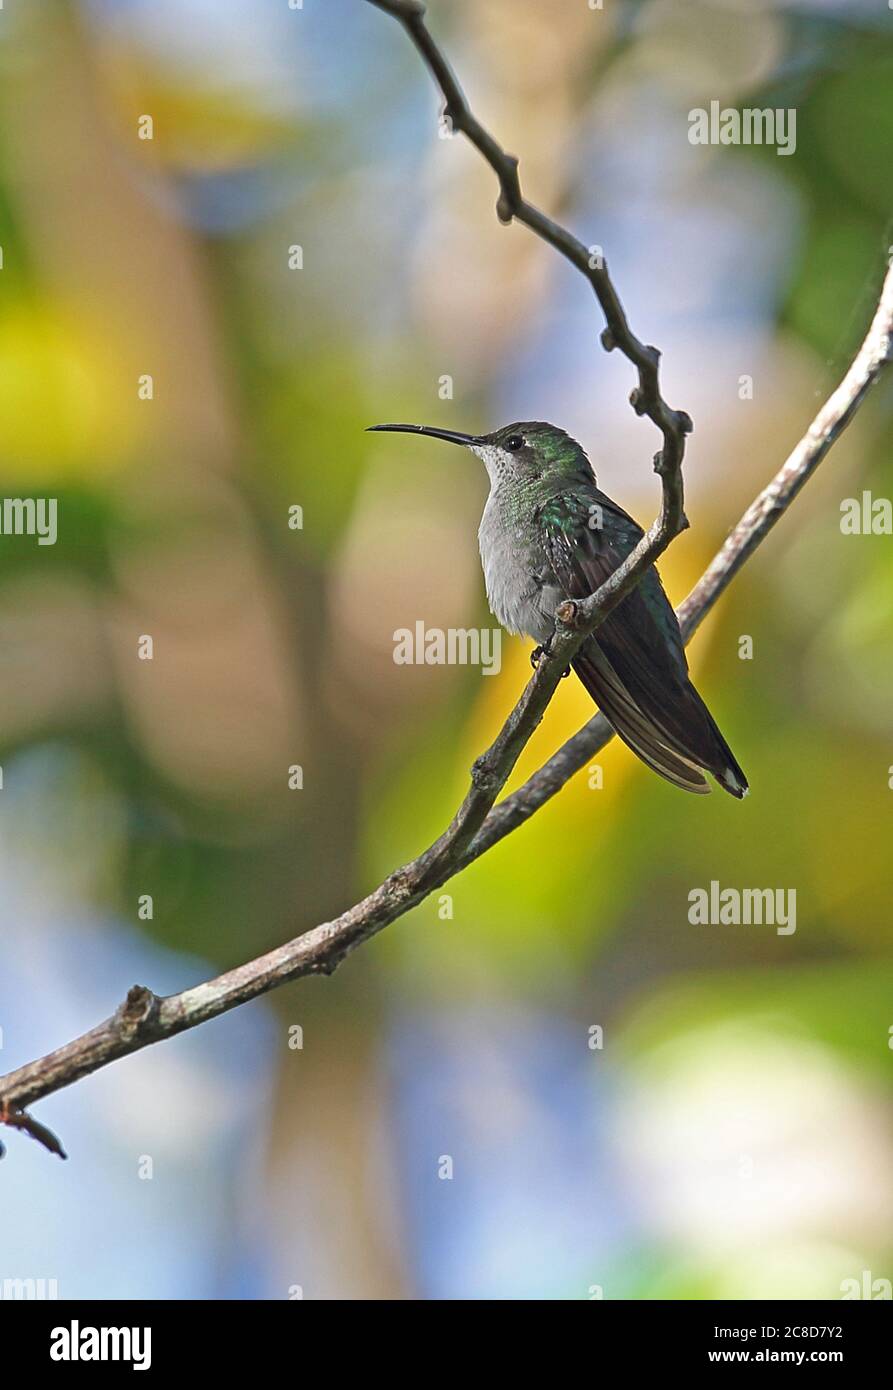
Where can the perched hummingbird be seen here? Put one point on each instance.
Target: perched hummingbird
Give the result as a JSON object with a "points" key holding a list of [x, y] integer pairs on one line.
{"points": [[548, 534]]}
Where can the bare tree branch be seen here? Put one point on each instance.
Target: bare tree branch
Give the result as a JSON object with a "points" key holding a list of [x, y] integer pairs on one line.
{"points": [[478, 824], [646, 399], [768, 508]]}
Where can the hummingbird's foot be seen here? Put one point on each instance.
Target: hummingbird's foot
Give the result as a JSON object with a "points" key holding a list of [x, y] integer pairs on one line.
{"points": [[538, 653]]}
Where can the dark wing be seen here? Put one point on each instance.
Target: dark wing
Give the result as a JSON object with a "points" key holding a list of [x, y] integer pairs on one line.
{"points": [[634, 665]]}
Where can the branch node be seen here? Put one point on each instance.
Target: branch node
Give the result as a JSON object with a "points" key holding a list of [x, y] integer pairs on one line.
{"points": [[139, 1010], [637, 401], [509, 199], [566, 613], [664, 463], [453, 116], [482, 773], [608, 341], [324, 967]]}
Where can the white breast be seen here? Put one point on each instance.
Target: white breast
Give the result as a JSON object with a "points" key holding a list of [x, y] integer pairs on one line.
{"points": [[515, 596]]}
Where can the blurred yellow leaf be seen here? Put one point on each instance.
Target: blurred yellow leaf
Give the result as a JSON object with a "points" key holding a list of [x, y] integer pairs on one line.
{"points": [[61, 409]]}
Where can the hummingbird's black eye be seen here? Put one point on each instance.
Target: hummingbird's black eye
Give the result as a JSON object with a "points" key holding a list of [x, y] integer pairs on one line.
{"points": [[514, 443]]}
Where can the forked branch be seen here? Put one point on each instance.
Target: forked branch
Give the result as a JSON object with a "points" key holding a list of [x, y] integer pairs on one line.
{"points": [[478, 824]]}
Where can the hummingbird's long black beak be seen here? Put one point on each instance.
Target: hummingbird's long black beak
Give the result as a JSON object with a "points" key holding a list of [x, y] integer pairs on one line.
{"points": [[452, 436]]}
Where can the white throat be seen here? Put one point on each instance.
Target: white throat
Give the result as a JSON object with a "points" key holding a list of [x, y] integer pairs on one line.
{"points": [[496, 461]]}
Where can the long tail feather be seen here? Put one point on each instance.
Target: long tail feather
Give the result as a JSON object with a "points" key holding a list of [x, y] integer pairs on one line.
{"points": [[675, 735], [632, 727]]}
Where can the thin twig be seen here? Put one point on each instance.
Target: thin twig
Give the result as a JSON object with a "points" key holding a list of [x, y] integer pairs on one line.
{"points": [[146, 1018], [19, 1119], [646, 398]]}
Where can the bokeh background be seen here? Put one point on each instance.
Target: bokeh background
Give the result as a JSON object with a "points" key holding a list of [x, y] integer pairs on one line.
{"points": [[731, 1136]]}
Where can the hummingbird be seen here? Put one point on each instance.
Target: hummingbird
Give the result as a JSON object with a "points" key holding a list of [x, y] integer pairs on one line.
{"points": [[548, 534]]}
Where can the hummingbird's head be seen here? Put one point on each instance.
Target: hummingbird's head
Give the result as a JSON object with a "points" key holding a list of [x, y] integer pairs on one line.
{"points": [[526, 450]]}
